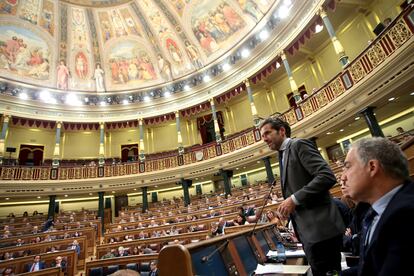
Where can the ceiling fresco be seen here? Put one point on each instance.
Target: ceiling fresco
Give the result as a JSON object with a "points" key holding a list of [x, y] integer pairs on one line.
{"points": [[118, 45]]}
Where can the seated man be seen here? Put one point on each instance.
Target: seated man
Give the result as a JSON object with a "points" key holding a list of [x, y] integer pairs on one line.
{"points": [[36, 265], [154, 269], [376, 172], [59, 262]]}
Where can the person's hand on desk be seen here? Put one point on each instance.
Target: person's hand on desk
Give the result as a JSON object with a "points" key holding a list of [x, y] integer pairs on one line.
{"points": [[286, 208]]}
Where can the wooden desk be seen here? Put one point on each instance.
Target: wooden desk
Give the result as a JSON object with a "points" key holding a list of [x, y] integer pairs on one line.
{"points": [[18, 264], [42, 247]]}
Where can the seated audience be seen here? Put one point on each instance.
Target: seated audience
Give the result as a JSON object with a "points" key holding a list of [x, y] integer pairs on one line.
{"points": [[376, 172]]}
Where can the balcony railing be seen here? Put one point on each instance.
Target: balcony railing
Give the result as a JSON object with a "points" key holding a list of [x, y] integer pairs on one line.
{"points": [[381, 49]]}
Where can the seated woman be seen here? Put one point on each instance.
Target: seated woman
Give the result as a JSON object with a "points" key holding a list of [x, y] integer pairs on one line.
{"points": [[240, 220], [272, 218]]}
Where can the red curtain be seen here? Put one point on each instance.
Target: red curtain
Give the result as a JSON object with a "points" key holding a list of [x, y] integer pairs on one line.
{"points": [[129, 152], [206, 122], [31, 155]]}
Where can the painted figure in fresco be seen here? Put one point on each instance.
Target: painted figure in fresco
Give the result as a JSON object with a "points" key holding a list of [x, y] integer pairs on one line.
{"points": [[106, 30], [250, 7], [174, 52], [117, 23], [22, 57], [208, 43], [147, 71], [232, 18], [99, 78], [193, 54], [165, 68], [131, 25], [12, 47], [62, 76], [41, 71], [81, 66], [29, 10], [114, 69]]}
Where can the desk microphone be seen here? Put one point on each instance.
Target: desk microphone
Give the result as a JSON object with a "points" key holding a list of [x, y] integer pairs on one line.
{"points": [[264, 203], [206, 258]]}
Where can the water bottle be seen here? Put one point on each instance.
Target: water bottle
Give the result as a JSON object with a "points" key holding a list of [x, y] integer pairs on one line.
{"points": [[281, 255]]}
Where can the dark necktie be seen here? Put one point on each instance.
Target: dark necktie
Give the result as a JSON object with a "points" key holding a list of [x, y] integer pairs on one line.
{"points": [[366, 225], [281, 166]]}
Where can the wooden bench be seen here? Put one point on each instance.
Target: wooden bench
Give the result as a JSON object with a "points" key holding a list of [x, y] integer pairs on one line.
{"points": [[42, 247], [51, 271], [19, 264], [88, 232], [154, 243]]}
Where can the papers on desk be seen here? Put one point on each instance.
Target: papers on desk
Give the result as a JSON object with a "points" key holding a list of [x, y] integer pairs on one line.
{"points": [[269, 269], [281, 269], [288, 253]]}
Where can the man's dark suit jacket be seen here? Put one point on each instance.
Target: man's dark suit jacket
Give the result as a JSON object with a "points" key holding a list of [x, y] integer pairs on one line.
{"points": [[307, 175], [392, 243]]}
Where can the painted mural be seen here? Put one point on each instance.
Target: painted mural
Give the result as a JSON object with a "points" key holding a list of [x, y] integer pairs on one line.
{"points": [[22, 53], [255, 9], [29, 10], [79, 28], [107, 31], [47, 17], [130, 23], [81, 57], [130, 63], [118, 44], [81, 65], [8, 6], [177, 62], [213, 23]]}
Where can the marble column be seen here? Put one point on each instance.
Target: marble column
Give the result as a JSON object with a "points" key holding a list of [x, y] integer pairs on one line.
{"points": [[179, 137], [56, 151], [292, 82], [256, 119], [216, 125], [343, 58], [102, 144], [6, 119], [141, 140]]}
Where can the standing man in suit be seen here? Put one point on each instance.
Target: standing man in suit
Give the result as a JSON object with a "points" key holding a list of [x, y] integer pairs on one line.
{"points": [[306, 179], [36, 265], [376, 172]]}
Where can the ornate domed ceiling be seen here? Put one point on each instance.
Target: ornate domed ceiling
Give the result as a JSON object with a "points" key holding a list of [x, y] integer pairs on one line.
{"points": [[116, 44]]}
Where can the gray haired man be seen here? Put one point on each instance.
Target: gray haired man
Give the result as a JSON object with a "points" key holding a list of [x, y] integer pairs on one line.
{"points": [[376, 172]]}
